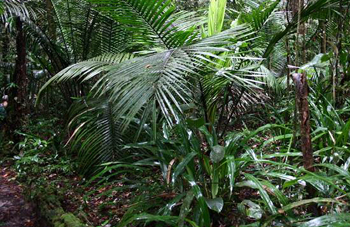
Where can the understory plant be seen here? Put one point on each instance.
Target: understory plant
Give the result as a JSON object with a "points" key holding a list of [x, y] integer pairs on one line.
{"points": [[170, 109]]}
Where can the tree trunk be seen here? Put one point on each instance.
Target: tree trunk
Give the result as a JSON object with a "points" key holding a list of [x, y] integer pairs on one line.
{"points": [[50, 20], [301, 91], [4, 53], [324, 37], [301, 88], [18, 93]]}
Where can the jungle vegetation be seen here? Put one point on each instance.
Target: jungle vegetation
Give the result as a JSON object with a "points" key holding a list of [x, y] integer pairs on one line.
{"points": [[186, 113]]}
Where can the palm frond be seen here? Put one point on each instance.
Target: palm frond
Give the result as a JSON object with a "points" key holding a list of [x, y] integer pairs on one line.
{"points": [[312, 9], [112, 36], [2, 8], [151, 21], [97, 135], [259, 15], [184, 21], [11, 8], [161, 78], [14, 7]]}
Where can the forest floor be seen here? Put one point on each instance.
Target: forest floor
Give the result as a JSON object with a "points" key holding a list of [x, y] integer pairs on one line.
{"points": [[15, 211]]}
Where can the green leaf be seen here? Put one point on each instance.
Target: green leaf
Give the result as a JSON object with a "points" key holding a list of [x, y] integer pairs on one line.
{"points": [[263, 193], [344, 136], [273, 189], [306, 201], [217, 153], [166, 210], [277, 138], [259, 15], [216, 16], [204, 212], [197, 123], [254, 211], [215, 204], [341, 171], [328, 220], [1, 8], [314, 62], [215, 181], [210, 138], [185, 208], [183, 164], [169, 220], [231, 166]]}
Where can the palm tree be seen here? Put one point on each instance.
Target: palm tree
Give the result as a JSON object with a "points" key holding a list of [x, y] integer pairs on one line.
{"points": [[164, 73], [174, 64]]}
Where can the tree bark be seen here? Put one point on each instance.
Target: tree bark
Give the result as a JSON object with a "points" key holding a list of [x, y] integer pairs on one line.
{"points": [[301, 88], [50, 20], [18, 93], [301, 91], [5, 50]]}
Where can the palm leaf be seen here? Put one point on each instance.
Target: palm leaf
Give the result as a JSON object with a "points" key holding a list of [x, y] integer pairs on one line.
{"points": [[162, 77], [150, 21], [11, 8], [258, 17], [313, 8], [96, 133]]}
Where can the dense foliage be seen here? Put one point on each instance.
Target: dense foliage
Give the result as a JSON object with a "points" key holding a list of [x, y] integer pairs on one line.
{"points": [[182, 113]]}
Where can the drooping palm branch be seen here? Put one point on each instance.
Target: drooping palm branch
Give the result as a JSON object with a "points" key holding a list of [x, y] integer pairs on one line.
{"points": [[10, 8], [162, 77], [165, 77], [96, 134]]}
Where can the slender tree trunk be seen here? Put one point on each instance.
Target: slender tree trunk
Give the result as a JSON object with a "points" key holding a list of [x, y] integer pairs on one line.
{"points": [[296, 6], [18, 94], [302, 104], [339, 51], [324, 38], [288, 63], [20, 68], [301, 88], [50, 20], [5, 50]]}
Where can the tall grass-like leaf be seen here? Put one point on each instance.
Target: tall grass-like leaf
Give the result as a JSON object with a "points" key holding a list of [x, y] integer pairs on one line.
{"points": [[185, 208], [166, 210], [231, 166], [182, 166], [263, 193], [2, 8], [201, 200], [343, 138], [307, 201], [336, 168], [328, 220], [216, 16], [274, 190], [169, 220]]}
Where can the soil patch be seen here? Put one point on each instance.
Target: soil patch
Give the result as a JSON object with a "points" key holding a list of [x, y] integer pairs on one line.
{"points": [[15, 211]]}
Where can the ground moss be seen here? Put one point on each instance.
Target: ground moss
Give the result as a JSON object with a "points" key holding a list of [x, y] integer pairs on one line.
{"points": [[51, 210]]}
